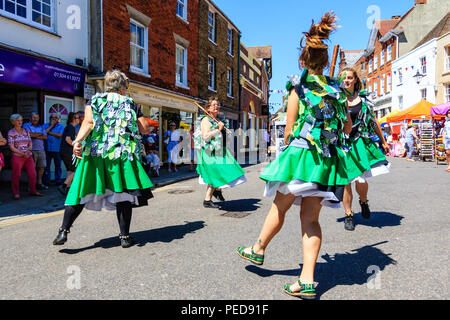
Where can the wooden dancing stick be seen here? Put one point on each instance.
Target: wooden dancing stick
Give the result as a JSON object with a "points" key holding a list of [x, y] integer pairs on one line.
{"points": [[209, 115], [333, 61]]}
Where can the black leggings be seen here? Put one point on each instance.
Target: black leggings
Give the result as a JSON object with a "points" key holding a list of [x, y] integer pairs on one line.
{"points": [[123, 209]]}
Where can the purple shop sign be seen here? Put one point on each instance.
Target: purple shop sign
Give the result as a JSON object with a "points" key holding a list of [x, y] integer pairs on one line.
{"points": [[22, 69]]}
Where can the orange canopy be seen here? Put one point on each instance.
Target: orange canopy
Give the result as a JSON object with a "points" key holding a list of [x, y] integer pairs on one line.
{"points": [[420, 110]]}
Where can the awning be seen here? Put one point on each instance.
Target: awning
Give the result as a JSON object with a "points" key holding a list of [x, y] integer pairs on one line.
{"points": [[420, 110], [383, 120], [440, 110]]}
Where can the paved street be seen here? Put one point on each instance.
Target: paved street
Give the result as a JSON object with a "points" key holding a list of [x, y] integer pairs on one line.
{"points": [[185, 251]]}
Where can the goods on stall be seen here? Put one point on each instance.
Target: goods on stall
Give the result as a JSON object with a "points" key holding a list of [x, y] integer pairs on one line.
{"points": [[426, 141], [439, 150]]}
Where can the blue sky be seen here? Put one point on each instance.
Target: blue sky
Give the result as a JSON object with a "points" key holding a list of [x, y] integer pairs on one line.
{"points": [[281, 23]]}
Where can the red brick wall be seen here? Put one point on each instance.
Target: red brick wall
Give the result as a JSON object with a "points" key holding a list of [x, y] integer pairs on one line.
{"points": [[384, 70], [161, 41]]}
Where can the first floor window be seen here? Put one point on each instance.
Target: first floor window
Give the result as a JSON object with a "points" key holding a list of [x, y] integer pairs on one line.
{"points": [[400, 102], [447, 92], [400, 76], [181, 65], [230, 82], [137, 46], [34, 12], [211, 73], [423, 93], [389, 53], [230, 41]]}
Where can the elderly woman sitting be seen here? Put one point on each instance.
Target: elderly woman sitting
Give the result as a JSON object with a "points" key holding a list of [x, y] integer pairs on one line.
{"points": [[19, 142]]}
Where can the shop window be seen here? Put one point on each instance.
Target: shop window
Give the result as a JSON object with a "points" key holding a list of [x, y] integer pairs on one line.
{"points": [[181, 65], [138, 47], [39, 13]]}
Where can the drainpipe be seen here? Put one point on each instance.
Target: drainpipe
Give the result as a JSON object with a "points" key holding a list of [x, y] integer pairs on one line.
{"points": [[239, 79]]}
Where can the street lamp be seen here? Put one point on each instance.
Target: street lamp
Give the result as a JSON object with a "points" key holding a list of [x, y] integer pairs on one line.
{"points": [[418, 76]]}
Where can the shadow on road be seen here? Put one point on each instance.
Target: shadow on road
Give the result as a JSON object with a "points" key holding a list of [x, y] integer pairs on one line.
{"points": [[377, 219], [166, 234], [240, 205], [355, 268]]}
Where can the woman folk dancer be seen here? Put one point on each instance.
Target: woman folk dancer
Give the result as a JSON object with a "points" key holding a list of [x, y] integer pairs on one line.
{"points": [[216, 166], [109, 174], [364, 153], [311, 171]]}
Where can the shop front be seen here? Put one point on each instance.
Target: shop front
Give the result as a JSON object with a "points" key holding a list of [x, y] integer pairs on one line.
{"points": [[30, 83], [162, 107]]}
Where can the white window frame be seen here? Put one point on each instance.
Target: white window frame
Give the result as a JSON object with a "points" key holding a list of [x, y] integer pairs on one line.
{"points": [[375, 62], [29, 14], [423, 94], [400, 76], [184, 66], [423, 66], [211, 73], [389, 83], [400, 102], [382, 86], [370, 66], [447, 92], [389, 53], [375, 88], [382, 58], [144, 68], [184, 13], [230, 41], [230, 83], [447, 58], [212, 27]]}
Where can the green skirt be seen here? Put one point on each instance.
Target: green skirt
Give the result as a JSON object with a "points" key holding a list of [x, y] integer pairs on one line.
{"points": [[101, 183], [365, 156], [305, 173], [220, 171]]}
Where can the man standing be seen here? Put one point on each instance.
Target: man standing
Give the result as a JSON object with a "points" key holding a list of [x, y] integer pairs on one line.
{"points": [[38, 136], [54, 131], [81, 116]]}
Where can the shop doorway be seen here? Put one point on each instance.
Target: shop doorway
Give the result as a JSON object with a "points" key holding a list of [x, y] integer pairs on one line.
{"points": [[57, 105]]}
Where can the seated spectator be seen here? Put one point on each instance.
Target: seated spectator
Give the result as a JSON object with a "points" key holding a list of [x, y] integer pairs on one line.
{"points": [[38, 136], [20, 144], [3, 142]]}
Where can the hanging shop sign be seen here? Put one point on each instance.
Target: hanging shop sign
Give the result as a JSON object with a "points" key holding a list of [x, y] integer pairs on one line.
{"points": [[17, 68]]}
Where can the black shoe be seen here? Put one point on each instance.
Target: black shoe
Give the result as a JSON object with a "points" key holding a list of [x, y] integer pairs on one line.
{"points": [[62, 189], [61, 238], [365, 211], [210, 204], [41, 187], [349, 224], [218, 195], [126, 241]]}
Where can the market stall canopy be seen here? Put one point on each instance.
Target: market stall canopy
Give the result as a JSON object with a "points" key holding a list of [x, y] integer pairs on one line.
{"points": [[440, 110], [420, 110], [383, 120], [152, 123]]}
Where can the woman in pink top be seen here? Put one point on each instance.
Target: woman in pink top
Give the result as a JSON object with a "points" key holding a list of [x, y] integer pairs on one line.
{"points": [[19, 142]]}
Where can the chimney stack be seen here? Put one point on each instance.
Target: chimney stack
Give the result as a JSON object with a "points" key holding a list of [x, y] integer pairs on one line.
{"points": [[420, 2]]}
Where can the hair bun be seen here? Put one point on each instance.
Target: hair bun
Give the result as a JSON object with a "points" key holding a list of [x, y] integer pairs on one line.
{"points": [[321, 31]]}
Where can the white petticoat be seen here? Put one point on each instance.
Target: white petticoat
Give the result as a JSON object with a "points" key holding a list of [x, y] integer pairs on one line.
{"points": [[232, 184], [107, 201], [301, 189], [372, 173]]}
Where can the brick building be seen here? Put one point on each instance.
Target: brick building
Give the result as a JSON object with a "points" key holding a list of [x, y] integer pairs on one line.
{"points": [[218, 59], [156, 44]]}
